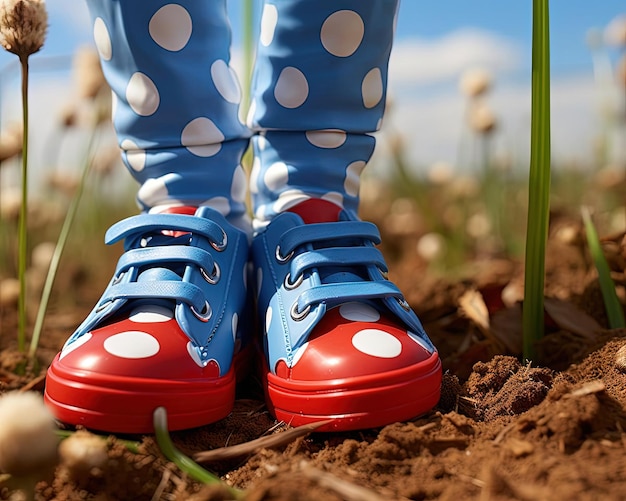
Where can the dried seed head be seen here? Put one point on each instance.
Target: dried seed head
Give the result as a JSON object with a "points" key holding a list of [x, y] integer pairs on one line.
{"points": [[615, 33], [475, 82], [88, 73], [440, 173], [23, 25], [28, 440], [10, 204], [482, 119], [83, 452], [431, 246], [9, 291]]}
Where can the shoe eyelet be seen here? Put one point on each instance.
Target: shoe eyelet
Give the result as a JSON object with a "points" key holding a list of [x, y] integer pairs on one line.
{"points": [[385, 274], [280, 258], [299, 315], [215, 275], [219, 247], [145, 241], [203, 315], [404, 304], [293, 285]]}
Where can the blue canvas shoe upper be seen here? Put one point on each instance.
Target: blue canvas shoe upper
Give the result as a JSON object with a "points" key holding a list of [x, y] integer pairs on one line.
{"points": [[195, 265]]}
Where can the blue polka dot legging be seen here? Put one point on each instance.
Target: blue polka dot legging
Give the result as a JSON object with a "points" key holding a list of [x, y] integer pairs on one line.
{"points": [[318, 92]]}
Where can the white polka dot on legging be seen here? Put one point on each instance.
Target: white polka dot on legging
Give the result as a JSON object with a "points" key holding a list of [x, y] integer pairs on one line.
{"points": [[372, 88], [170, 27], [289, 198], [135, 157], [69, 348], [342, 33], [334, 197], [132, 344], [292, 88], [202, 137], [353, 178], [151, 314], [330, 138], [102, 39], [220, 204], [269, 19], [142, 95], [276, 176], [225, 81], [377, 343], [153, 192], [359, 312]]}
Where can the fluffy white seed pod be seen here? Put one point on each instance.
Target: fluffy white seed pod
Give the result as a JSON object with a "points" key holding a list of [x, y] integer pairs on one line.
{"points": [[615, 32], [431, 246], [482, 119], [28, 440], [83, 452], [475, 82]]}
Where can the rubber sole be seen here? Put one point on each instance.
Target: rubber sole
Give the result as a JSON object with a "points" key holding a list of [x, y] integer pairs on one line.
{"points": [[357, 403], [125, 405]]}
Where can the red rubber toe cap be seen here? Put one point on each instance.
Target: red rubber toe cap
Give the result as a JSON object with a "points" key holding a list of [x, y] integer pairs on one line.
{"points": [[112, 378], [358, 367]]}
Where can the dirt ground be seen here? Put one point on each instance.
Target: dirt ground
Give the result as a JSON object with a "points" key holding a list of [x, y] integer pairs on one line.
{"points": [[505, 429]]}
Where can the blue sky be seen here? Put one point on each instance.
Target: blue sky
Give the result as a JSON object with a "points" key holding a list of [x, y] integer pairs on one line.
{"points": [[436, 41]]}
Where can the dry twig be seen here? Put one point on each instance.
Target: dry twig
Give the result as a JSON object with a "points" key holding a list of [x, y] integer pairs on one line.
{"points": [[252, 446]]}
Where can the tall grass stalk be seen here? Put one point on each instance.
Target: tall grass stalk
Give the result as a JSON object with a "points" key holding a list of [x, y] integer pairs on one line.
{"points": [[59, 247], [248, 51], [185, 463], [613, 307], [539, 182]]}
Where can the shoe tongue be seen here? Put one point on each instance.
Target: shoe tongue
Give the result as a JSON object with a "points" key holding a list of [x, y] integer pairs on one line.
{"points": [[323, 211], [316, 210], [180, 209]]}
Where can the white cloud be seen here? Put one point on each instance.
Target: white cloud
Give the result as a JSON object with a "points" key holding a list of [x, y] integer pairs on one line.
{"points": [[419, 61], [428, 110]]}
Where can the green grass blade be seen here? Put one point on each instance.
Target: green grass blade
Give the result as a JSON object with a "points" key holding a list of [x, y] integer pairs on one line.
{"points": [[59, 248], [614, 310], [185, 463], [539, 182]]}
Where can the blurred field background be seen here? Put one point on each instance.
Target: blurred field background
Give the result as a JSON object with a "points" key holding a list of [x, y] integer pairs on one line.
{"points": [[448, 179]]}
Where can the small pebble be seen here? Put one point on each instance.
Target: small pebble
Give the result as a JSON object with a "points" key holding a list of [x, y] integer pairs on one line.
{"points": [[620, 359]]}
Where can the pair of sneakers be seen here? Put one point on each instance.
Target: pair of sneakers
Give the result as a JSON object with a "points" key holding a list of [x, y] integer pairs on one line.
{"points": [[193, 306]]}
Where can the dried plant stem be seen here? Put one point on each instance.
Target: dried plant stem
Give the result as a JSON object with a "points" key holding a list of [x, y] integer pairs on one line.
{"points": [[276, 440], [22, 229]]}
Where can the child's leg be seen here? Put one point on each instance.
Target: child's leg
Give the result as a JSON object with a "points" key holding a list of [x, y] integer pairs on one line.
{"points": [[339, 339], [165, 330]]}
